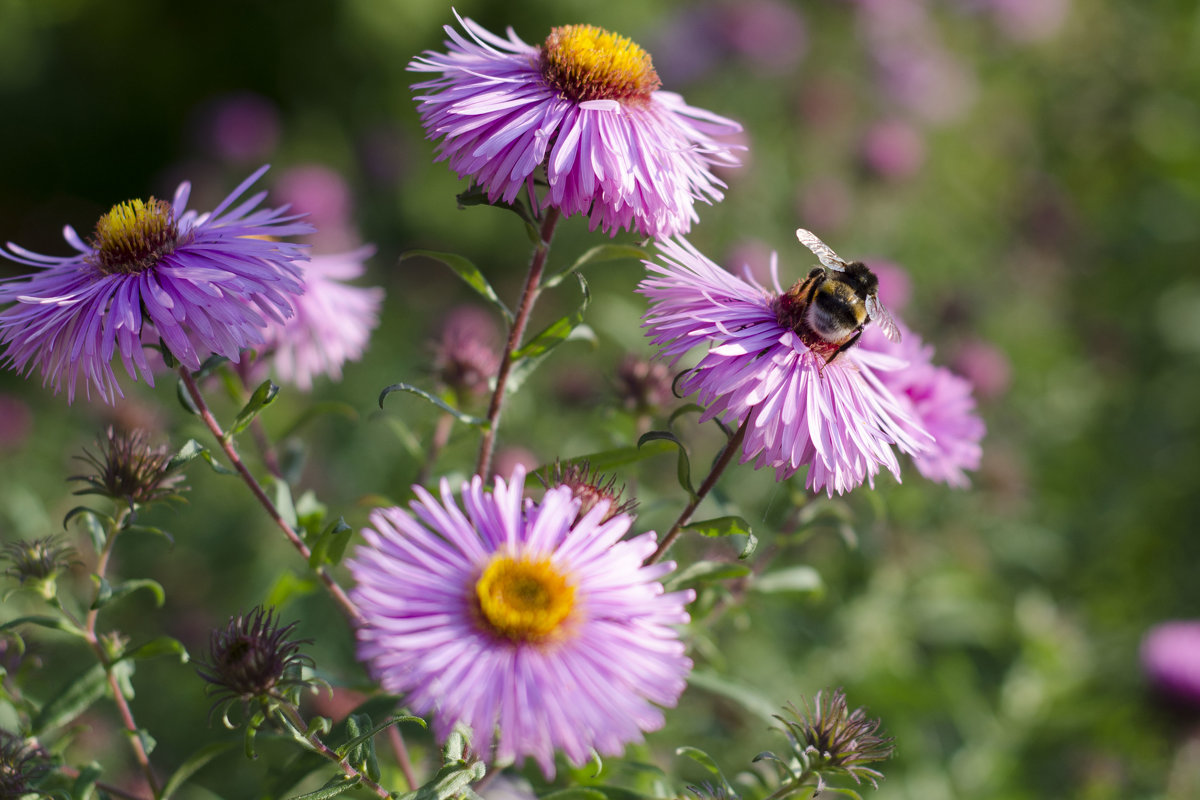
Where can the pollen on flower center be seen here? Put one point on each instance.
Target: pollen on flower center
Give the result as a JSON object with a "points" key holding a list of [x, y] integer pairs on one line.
{"points": [[585, 62], [133, 236], [523, 599]]}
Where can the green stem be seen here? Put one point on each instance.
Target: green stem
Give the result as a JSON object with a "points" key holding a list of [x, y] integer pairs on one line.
{"points": [[335, 590], [291, 718], [528, 297], [731, 448]]}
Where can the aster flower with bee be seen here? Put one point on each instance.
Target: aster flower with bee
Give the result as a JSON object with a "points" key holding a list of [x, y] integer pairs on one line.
{"points": [[783, 365]]}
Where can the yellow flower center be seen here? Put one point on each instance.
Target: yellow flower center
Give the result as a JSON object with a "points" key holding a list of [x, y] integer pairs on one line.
{"points": [[132, 237], [523, 599], [584, 63]]}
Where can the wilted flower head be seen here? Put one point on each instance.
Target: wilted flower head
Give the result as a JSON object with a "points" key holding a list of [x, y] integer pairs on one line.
{"points": [[643, 386], [539, 630], [202, 283], [332, 323], [128, 468], [465, 357], [590, 489], [586, 106], [829, 739], [253, 657], [835, 417], [38, 560], [22, 765]]}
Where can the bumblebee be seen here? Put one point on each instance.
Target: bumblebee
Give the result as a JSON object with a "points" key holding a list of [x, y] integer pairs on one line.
{"points": [[829, 308]]}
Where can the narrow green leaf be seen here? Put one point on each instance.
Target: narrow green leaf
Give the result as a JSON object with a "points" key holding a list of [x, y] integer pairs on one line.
{"points": [[373, 730], [193, 764], [151, 531], [687, 408], [727, 526], [53, 623], [705, 572], [337, 785], [185, 399], [103, 591], [461, 416], [522, 369], [476, 196], [161, 646], [469, 273], [72, 700], [190, 450], [597, 255], [557, 332], [801, 579], [450, 781], [84, 786], [262, 397], [683, 465], [706, 761], [284, 504]]}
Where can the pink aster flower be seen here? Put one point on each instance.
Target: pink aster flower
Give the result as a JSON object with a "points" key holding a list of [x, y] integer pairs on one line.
{"points": [[839, 418], [539, 631], [332, 324], [940, 399], [585, 106], [206, 283]]}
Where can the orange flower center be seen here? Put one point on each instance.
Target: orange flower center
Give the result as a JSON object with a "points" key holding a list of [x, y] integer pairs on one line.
{"points": [[584, 63], [523, 599]]}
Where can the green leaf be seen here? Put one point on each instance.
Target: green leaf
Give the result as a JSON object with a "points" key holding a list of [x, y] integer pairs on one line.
{"points": [[706, 572], [747, 697], [263, 396], [802, 579], [95, 524], [185, 398], [193, 764], [372, 730], [450, 781], [128, 587], [683, 467], [687, 408], [53, 623], [284, 504], [706, 761], [192, 450], [727, 526], [521, 370], [476, 196], [287, 586], [556, 332], [103, 591], [84, 785], [72, 700], [597, 255], [331, 544], [469, 273], [161, 646], [336, 785], [151, 531], [461, 416]]}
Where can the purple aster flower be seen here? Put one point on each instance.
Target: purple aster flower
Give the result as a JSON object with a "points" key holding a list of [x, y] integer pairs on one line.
{"points": [[332, 324], [836, 417], [205, 283], [539, 631], [1170, 655], [940, 399], [586, 106]]}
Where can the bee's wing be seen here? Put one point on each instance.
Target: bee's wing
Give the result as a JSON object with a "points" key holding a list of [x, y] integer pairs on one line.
{"points": [[821, 250], [880, 316]]}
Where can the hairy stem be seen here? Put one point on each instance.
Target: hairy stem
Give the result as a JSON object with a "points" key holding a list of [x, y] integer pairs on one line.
{"points": [[528, 297], [731, 448], [93, 640], [335, 590]]}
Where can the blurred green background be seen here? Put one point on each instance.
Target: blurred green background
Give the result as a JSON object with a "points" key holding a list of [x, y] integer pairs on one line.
{"points": [[1034, 165]]}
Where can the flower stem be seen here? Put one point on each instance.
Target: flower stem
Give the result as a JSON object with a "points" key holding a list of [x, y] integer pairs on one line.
{"points": [[335, 591], [402, 759], [731, 447], [93, 640], [291, 718], [528, 297]]}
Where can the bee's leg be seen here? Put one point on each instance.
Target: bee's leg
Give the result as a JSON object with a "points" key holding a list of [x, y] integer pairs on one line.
{"points": [[846, 346]]}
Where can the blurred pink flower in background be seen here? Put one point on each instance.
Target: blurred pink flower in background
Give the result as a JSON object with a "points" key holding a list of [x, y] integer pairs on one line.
{"points": [[768, 34], [466, 354], [323, 194], [16, 422], [240, 127], [895, 286], [986, 366], [1170, 655], [893, 149], [1030, 20]]}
